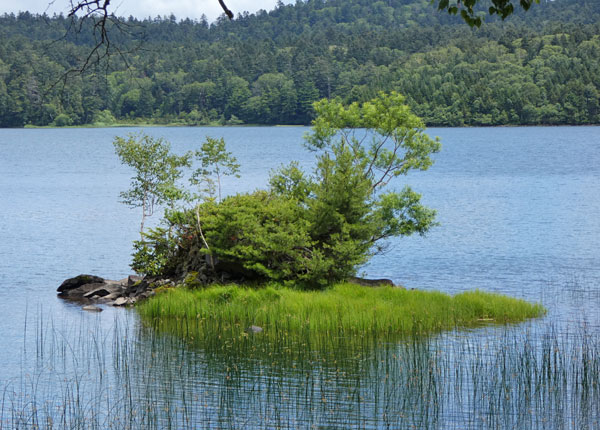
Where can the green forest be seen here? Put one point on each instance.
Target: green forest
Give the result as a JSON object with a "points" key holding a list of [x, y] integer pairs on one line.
{"points": [[536, 67]]}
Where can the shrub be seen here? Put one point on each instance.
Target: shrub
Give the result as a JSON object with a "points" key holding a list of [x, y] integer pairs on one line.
{"points": [[63, 120]]}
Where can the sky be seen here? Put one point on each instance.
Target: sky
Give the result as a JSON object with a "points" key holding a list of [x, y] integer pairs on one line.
{"points": [[146, 8]]}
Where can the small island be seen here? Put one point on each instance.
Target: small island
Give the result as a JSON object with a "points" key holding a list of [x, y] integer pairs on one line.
{"points": [[284, 259], [346, 307]]}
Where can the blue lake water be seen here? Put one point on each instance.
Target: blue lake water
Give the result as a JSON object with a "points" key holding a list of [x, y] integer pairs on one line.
{"points": [[518, 210]]}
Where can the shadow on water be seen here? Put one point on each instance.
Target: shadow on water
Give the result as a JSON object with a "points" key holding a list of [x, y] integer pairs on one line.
{"points": [[131, 377]]}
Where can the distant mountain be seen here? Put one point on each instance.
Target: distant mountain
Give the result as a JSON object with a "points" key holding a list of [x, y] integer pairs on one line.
{"points": [[537, 67]]}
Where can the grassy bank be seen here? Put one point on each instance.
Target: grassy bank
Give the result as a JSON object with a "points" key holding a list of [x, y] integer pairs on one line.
{"points": [[341, 310]]}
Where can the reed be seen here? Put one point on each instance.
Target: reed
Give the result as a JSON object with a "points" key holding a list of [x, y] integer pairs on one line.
{"points": [[131, 377]]}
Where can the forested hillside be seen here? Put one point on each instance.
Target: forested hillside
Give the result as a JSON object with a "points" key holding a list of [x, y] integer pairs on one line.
{"points": [[538, 67]]}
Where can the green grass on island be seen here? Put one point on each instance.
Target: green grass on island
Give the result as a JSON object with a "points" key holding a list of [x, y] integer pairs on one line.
{"points": [[344, 308]]}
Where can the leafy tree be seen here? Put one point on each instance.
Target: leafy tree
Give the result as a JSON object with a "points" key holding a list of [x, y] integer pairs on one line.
{"points": [[274, 101], [237, 93], [216, 162], [156, 173], [62, 120], [104, 118], [361, 148], [198, 95]]}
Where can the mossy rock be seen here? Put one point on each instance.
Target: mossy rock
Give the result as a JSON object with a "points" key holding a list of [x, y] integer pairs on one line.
{"points": [[194, 280], [162, 289]]}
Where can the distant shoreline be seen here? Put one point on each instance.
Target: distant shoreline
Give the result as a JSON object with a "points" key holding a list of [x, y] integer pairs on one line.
{"points": [[178, 125]]}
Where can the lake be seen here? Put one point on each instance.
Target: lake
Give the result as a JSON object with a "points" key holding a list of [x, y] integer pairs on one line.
{"points": [[519, 214]]}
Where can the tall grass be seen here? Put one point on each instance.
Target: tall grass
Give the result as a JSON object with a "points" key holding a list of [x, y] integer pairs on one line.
{"points": [[344, 310]]}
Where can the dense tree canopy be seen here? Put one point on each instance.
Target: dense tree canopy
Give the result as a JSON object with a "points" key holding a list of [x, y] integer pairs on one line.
{"points": [[539, 67]]}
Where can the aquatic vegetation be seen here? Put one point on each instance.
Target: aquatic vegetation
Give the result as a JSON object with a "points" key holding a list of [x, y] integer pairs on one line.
{"points": [[134, 377], [343, 310]]}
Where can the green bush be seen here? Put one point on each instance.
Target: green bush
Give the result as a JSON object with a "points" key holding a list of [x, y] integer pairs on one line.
{"points": [[309, 229], [154, 254], [63, 120], [256, 236], [104, 118]]}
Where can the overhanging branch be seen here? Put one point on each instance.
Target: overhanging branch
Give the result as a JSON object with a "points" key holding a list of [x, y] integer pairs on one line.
{"points": [[226, 10]]}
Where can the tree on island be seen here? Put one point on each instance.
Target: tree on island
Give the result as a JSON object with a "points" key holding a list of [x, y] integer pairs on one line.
{"points": [[215, 162], [308, 229], [156, 173]]}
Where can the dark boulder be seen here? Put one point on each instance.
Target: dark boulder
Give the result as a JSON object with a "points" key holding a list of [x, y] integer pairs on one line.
{"points": [[78, 281], [372, 282], [89, 289]]}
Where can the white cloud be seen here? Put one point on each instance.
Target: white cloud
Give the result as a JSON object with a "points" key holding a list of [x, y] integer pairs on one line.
{"points": [[147, 8]]}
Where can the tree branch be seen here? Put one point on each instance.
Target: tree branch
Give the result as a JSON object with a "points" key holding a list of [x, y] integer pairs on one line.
{"points": [[376, 155], [389, 169], [226, 10]]}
